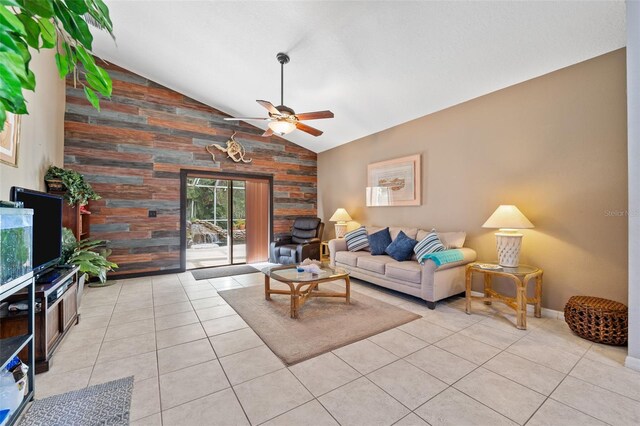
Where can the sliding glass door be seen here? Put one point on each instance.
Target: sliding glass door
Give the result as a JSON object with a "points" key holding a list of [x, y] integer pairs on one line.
{"points": [[225, 221], [215, 213]]}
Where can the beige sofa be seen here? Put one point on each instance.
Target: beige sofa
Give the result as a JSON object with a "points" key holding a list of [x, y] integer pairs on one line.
{"points": [[428, 282]]}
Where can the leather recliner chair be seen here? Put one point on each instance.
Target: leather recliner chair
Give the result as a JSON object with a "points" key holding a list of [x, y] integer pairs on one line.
{"points": [[303, 243]]}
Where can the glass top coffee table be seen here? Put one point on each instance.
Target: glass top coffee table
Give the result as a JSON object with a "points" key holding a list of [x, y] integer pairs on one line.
{"points": [[304, 285]]}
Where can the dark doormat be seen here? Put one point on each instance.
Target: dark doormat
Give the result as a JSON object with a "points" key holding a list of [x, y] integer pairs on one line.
{"points": [[222, 271]]}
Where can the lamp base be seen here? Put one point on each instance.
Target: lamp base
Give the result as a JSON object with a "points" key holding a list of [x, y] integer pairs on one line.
{"points": [[508, 245], [341, 229]]}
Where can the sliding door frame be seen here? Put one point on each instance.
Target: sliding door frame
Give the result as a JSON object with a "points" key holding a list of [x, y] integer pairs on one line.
{"points": [[184, 173]]}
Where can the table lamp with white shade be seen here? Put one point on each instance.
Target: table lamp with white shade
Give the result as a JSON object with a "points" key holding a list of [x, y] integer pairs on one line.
{"points": [[508, 219], [341, 217]]}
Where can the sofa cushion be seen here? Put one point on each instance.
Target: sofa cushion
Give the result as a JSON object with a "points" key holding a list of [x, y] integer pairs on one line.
{"points": [[405, 271], [349, 257], [375, 264], [357, 239], [409, 232], [379, 241], [429, 244], [402, 247], [450, 240], [373, 229]]}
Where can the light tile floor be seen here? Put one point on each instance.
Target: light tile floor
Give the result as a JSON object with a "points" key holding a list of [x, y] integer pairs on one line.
{"points": [[196, 362]]}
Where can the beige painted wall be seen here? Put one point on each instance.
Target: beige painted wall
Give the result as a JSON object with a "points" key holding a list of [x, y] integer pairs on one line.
{"points": [[42, 131], [555, 146]]}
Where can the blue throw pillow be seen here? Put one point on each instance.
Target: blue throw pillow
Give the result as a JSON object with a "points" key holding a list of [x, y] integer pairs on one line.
{"points": [[357, 239], [402, 247], [379, 241]]}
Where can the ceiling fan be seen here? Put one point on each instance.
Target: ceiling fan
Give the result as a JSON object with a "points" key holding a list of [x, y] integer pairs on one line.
{"points": [[282, 119]]}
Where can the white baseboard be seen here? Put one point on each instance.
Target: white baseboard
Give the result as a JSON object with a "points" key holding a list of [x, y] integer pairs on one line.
{"points": [[546, 313], [632, 362]]}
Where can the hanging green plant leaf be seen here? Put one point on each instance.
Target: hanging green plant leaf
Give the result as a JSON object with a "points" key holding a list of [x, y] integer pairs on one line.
{"points": [[8, 44], [13, 63], [11, 88], [9, 21], [9, 3], [77, 6], [98, 84], [87, 60], [42, 8], [32, 30], [47, 32], [62, 64], [92, 97], [24, 51], [35, 24]]}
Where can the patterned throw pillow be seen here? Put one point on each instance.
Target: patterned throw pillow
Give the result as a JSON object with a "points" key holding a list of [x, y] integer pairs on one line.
{"points": [[429, 244], [357, 239], [401, 248], [379, 241]]}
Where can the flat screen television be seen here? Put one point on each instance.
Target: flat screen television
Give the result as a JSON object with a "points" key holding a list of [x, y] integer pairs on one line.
{"points": [[47, 226]]}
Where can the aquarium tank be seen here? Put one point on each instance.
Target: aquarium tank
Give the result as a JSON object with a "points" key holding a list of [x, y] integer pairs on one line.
{"points": [[16, 228]]}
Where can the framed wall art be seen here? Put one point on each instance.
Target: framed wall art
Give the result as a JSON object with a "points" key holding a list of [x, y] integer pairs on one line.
{"points": [[394, 182], [9, 140]]}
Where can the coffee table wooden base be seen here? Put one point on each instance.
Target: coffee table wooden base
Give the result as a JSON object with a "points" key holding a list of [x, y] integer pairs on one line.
{"points": [[300, 292]]}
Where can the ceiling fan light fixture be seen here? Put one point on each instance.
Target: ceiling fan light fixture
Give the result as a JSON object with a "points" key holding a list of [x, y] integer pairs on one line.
{"points": [[282, 127]]}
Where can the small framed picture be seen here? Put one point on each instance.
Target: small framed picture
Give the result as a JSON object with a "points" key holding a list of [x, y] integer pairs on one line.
{"points": [[10, 139]]}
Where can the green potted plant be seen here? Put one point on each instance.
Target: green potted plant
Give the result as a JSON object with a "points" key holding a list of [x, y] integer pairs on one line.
{"points": [[90, 255], [77, 190]]}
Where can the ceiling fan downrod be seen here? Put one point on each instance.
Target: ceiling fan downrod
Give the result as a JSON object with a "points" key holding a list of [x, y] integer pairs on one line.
{"points": [[283, 58]]}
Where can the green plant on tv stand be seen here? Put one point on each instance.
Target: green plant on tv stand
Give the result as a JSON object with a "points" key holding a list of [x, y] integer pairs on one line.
{"points": [[90, 255]]}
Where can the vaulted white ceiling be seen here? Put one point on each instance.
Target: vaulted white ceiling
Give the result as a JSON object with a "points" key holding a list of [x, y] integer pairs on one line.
{"points": [[374, 64]]}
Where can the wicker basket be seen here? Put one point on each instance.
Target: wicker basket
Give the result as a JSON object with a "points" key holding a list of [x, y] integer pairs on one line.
{"points": [[598, 320]]}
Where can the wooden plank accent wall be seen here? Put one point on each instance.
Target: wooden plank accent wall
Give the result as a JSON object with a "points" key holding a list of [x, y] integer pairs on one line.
{"points": [[132, 152]]}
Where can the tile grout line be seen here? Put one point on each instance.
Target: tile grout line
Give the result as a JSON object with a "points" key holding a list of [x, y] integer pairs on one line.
{"points": [[556, 387], [95, 362], [313, 398], [475, 369], [221, 368], [157, 357]]}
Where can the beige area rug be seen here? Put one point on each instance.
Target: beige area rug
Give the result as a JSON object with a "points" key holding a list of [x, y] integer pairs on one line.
{"points": [[324, 323]]}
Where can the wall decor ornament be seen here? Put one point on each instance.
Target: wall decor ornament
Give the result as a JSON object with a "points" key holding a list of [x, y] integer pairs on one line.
{"points": [[394, 182], [10, 139], [234, 150]]}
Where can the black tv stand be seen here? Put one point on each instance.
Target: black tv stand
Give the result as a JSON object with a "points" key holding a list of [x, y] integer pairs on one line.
{"points": [[49, 276], [58, 313]]}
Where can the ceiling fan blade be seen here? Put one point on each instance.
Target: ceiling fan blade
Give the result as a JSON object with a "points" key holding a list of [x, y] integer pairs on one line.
{"points": [[314, 115], [245, 119], [269, 106], [308, 129], [267, 132]]}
